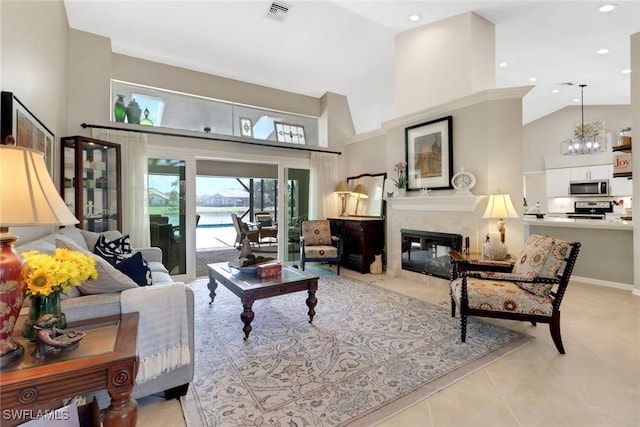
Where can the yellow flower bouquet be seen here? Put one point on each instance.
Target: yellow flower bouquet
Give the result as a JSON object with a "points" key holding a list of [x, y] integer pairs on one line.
{"points": [[47, 276]]}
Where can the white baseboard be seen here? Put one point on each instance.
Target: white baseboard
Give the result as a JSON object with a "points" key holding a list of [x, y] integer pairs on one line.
{"points": [[598, 282]]}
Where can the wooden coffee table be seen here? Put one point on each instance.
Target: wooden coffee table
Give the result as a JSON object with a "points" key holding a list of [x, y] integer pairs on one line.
{"points": [[105, 359], [251, 288]]}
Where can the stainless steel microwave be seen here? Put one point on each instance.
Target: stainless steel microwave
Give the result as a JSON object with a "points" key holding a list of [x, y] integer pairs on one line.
{"points": [[595, 187]]}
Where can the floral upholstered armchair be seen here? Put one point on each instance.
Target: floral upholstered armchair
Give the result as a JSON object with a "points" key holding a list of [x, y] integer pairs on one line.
{"points": [[318, 245], [532, 291]]}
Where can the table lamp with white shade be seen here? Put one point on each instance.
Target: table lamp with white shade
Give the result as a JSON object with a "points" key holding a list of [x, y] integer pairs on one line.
{"points": [[28, 197], [500, 207]]}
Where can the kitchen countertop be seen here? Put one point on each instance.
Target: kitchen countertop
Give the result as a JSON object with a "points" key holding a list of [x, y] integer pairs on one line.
{"points": [[581, 223]]}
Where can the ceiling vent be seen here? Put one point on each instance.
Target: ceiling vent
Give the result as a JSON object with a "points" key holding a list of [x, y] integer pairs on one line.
{"points": [[278, 10]]}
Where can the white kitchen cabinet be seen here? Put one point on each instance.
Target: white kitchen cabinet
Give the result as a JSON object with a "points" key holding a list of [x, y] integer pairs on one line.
{"points": [[558, 182], [583, 173], [621, 187]]}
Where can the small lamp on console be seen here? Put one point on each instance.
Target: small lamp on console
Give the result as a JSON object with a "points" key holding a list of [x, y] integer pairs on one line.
{"points": [[360, 192], [500, 207], [28, 197], [343, 189]]}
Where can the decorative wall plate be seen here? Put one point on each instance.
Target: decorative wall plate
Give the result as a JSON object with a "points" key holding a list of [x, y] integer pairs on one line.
{"points": [[463, 182]]}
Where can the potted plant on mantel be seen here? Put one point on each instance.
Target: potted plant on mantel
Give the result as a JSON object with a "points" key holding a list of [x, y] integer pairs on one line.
{"points": [[401, 182]]}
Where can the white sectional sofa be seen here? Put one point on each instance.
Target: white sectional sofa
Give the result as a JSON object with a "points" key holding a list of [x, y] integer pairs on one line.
{"points": [[105, 299]]}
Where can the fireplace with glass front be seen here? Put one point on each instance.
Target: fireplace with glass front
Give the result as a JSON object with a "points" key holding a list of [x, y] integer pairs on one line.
{"points": [[427, 252]]}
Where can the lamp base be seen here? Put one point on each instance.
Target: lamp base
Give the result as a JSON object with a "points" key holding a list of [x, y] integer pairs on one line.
{"points": [[12, 290], [12, 357], [494, 251]]}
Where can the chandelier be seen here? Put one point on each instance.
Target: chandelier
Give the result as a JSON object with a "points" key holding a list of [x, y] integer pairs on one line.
{"points": [[587, 137]]}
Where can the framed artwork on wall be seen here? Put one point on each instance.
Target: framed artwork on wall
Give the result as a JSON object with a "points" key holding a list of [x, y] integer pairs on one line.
{"points": [[28, 131], [246, 127], [429, 151], [287, 132]]}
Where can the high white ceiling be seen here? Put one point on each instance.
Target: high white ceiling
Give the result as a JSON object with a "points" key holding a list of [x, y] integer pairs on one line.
{"points": [[347, 47]]}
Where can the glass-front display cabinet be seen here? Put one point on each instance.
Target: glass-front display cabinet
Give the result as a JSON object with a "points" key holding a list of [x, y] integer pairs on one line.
{"points": [[91, 182]]}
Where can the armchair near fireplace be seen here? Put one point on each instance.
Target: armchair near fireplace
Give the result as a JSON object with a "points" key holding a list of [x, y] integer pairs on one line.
{"points": [[532, 291], [318, 245]]}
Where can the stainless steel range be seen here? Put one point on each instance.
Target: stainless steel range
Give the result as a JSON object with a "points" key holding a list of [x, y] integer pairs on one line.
{"points": [[591, 210]]}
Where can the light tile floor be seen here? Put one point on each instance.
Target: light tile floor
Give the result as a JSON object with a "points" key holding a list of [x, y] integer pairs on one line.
{"points": [[597, 383]]}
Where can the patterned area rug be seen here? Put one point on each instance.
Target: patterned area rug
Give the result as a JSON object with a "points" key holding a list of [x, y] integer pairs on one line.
{"points": [[368, 354]]}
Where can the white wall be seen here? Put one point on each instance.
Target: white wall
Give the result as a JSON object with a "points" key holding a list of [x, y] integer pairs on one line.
{"points": [[367, 153], [441, 61], [33, 65], [543, 136], [34, 58]]}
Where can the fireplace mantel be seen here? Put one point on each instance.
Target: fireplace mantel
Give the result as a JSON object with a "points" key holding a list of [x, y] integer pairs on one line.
{"points": [[435, 203]]}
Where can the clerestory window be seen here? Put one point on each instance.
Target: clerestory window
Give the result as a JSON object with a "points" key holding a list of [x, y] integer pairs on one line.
{"points": [[174, 110]]}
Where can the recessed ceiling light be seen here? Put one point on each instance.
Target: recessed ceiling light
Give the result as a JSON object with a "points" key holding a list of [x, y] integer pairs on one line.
{"points": [[576, 99], [603, 51], [414, 17], [503, 64], [532, 79], [555, 91], [607, 8], [626, 71]]}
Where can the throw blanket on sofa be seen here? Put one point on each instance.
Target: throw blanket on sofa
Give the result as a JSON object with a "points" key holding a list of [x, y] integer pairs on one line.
{"points": [[163, 337]]}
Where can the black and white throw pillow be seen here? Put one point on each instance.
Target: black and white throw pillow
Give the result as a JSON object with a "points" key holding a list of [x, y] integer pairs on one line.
{"points": [[113, 251]]}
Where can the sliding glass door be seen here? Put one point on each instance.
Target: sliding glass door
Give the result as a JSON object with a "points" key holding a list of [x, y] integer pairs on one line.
{"points": [[297, 210], [167, 226]]}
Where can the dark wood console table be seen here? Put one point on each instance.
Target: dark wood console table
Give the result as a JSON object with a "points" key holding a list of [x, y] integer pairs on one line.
{"points": [[105, 359], [362, 239]]}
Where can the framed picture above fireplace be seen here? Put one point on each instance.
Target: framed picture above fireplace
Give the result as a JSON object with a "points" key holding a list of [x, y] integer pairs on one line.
{"points": [[429, 154]]}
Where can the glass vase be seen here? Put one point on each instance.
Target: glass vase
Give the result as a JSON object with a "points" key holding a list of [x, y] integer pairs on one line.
{"points": [[133, 112], [119, 109], [40, 306]]}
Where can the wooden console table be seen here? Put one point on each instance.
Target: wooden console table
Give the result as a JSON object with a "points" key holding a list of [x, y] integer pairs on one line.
{"points": [[105, 359], [362, 239]]}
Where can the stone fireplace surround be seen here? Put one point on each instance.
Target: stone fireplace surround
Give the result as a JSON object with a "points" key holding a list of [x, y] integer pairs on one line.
{"points": [[442, 214]]}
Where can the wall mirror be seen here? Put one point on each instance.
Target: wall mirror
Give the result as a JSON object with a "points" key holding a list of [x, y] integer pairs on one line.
{"points": [[369, 202]]}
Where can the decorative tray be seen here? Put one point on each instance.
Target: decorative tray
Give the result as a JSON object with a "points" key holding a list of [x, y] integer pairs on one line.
{"points": [[249, 269]]}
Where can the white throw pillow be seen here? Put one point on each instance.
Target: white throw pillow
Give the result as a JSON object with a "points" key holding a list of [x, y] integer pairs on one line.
{"points": [[109, 279], [75, 234]]}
